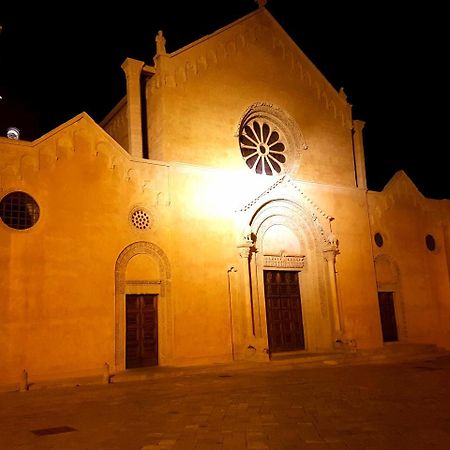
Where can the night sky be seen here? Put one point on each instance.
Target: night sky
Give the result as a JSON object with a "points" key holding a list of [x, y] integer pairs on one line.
{"points": [[56, 62]]}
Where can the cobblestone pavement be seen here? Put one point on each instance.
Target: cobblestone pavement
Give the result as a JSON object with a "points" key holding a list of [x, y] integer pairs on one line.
{"points": [[386, 406]]}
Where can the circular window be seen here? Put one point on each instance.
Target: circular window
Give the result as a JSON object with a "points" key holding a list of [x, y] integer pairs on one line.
{"points": [[262, 147], [378, 238], [270, 140], [141, 219], [19, 210], [430, 242]]}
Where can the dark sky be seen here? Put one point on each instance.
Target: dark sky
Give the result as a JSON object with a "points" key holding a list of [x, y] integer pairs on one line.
{"points": [[56, 61]]}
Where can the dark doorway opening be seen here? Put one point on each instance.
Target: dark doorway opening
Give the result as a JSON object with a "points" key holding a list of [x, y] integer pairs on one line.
{"points": [[387, 316], [141, 330]]}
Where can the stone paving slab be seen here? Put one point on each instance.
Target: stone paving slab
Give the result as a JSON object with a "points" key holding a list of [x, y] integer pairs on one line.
{"points": [[403, 405]]}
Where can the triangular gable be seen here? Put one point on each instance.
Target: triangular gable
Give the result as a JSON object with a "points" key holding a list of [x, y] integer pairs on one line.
{"points": [[261, 28], [401, 185]]}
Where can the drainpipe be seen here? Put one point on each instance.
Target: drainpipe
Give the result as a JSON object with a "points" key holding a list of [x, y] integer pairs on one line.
{"points": [[231, 269]]}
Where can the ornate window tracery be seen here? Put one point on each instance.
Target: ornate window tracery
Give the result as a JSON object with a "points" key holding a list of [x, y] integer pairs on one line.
{"points": [[262, 147], [270, 141]]}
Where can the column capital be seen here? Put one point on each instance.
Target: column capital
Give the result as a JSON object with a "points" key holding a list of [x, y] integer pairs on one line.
{"points": [[132, 67], [358, 125], [330, 253], [245, 249]]}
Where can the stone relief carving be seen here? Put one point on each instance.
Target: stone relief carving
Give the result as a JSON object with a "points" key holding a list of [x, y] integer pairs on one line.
{"points": [[284, 262], [317, 216]]}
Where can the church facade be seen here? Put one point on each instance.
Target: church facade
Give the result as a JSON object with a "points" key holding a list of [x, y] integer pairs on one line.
{"points": [[220, 212]]}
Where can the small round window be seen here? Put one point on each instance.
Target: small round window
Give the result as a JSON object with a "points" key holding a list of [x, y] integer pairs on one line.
{"points": [[140, 219], [19, 210], [378, 238], [430, 242]]}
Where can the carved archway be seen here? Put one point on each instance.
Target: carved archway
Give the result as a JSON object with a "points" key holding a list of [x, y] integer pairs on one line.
{"points": [[312, 264], [159, 285]]}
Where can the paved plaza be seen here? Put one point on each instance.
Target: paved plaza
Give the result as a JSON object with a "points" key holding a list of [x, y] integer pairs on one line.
{"points": [[401, 405]]}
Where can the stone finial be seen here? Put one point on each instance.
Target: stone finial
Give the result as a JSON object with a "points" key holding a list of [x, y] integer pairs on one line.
{"points": [[160, 44], [342, 93], [261, 3]]}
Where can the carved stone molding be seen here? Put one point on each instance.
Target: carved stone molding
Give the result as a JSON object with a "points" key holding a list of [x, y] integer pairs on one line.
{"points": [[330, 254], [284, 262], [245, 250], [137, 248], [143, 282], [286, 191], [165, 307]]}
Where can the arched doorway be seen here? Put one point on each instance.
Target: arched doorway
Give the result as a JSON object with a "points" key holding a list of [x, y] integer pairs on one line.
{"points": [[143, 310], [295, 301]]}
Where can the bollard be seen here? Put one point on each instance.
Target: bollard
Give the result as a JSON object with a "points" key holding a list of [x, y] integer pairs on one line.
{"points": [[24, 386], [106, 374]]}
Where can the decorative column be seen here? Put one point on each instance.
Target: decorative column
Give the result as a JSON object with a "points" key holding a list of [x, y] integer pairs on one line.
{"points": [[330, 255], [245, 251], [133, 70], [358, 151]]}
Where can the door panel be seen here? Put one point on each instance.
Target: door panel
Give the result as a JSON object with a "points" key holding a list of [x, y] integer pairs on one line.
{"points": [[387, 316], [283, 310], [141, 331]]}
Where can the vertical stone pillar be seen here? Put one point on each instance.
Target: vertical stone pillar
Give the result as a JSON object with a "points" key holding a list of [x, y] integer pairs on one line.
{"points": [[245, 250], [330, 257], [358, 151], [133, 70]]}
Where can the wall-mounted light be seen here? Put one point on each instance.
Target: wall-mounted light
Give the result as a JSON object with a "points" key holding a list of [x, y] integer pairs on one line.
{"points": [[13, 133]]}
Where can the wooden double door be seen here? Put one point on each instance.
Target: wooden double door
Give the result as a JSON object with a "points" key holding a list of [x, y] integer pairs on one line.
{"points": [[283, 311], [141, 330]]}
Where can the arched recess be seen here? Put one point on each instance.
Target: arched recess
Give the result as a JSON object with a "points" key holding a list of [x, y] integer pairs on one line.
{"points": [[389, 280], [157, 281], [304, 250]]}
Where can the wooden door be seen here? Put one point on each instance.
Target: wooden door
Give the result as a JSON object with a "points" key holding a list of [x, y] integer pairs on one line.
{"points": [[387, 316], [141, 331], [283, 311]]}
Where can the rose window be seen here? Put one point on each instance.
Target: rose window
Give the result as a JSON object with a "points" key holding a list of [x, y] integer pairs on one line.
{"points": [[262, 148], [140, 219]]}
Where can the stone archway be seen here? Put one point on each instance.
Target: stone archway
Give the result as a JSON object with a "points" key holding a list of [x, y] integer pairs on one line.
{"points": [[159, 284], [302, 251], [312, 257]]}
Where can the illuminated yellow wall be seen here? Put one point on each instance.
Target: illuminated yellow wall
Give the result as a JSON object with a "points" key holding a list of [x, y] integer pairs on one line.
{"points": [[63, 282], [419, 278]]}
